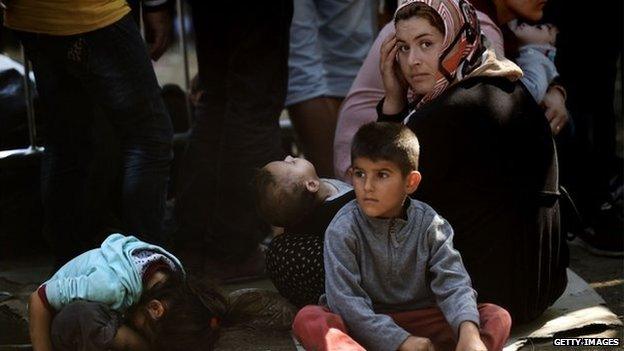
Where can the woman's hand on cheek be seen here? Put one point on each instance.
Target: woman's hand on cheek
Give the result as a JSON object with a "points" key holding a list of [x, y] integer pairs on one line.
{"points": [[555, 109], [393, 81]]}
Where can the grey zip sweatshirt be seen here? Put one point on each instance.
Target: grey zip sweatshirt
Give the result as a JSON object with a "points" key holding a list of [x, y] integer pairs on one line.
{"points": [[377, 266]]}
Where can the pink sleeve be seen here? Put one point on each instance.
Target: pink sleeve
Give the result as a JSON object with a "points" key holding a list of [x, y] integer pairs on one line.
{"points": [[359, 107], [493, 33]]}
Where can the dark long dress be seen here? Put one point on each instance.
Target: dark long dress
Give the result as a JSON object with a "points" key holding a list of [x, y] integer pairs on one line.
{"points": [[489, 167]]}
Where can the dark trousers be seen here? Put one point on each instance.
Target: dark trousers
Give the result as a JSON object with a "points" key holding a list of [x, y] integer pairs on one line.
{"points": [[242, 54], [107, 69], [593, 154], [84, 326]]}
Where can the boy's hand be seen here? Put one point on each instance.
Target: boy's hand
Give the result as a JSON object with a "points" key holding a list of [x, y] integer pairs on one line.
{"points": [[469, 339], [416, 343]]}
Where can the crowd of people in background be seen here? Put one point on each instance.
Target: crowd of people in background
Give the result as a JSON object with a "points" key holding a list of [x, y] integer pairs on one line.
{"points": [[510, 121]]}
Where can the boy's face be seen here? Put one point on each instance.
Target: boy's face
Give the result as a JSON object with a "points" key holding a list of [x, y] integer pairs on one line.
{"points": [[380, 187], [291, 168]]}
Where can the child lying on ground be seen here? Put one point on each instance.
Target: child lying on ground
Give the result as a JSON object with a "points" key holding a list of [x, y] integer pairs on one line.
{"points": [[290, 194], [124, 295], [393, 278]]}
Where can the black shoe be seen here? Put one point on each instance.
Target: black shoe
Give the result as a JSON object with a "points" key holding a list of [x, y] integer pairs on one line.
{"points": [[606, 236], [603, 234]]}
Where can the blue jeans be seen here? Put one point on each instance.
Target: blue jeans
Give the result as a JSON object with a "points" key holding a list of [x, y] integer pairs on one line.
{"points": [[106, 70]]}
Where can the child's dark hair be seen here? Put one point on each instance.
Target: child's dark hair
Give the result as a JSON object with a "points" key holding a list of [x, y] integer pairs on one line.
{"points": [[421, 10], [276, 205], [193, 313], [392, 142]]}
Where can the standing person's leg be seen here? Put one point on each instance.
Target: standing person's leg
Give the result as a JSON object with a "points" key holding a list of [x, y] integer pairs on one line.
{"points": [[315, 124], [431, 323], [312, 113], [67, 117], [255, 88], [347, 34], [84, 326], [197, 195], [319, 329], [121, 80], [594, 161]]}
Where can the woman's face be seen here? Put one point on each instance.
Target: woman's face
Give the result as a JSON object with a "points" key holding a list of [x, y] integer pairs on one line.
{"points": [[530, 10], [419, 47]]}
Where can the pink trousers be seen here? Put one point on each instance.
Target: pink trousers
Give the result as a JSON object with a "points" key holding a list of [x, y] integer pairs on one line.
{"points": [[321, 330]]}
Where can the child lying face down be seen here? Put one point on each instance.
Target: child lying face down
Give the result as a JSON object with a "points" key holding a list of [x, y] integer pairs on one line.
{"points": [[393, 278], [124, 295]]}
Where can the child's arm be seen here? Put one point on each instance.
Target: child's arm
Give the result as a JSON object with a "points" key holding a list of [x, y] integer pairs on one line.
{"points": [[345, 295], [40, 319], [538, 70], [127, 339], [469, 338], [450, 282]]}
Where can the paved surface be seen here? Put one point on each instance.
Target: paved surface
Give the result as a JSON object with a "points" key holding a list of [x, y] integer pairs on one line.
{"points": [[605, 275]]}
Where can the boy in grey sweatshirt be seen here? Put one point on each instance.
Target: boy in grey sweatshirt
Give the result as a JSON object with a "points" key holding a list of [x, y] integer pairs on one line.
{"points": [[393, 279]]}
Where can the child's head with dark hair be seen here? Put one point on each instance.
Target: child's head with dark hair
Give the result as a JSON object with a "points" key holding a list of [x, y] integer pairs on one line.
{"points": [[286, 191], [387, 141], [540, 33], [180, 314], [384, 167]]}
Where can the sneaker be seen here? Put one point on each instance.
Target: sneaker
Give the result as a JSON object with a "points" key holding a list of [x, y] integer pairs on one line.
{"points": [[604, 233], [260, 308]]}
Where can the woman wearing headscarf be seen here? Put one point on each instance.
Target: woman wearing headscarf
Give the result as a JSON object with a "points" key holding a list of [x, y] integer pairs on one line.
{"points": [[487, 153], [358, 107]]}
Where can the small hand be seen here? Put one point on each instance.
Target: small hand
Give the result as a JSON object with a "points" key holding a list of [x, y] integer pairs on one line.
{"points": [[555, 109], [471, 345], [158, 26], [394, 83], [416, 343], [469, 339]]}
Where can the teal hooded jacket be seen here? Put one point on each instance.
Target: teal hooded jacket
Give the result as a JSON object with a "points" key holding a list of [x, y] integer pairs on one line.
{"points": [[107, 274]]}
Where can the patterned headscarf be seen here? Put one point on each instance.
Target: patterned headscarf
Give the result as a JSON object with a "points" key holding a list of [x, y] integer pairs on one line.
{"points": [[462, 50]]}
